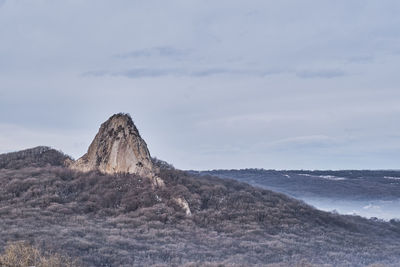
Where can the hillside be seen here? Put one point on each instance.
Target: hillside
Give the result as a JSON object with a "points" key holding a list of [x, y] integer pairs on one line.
{"points": [[117, 206], [121, 220], [40, 156]]}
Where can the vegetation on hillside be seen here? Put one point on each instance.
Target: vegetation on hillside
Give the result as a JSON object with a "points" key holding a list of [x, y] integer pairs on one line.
{"points": [[21, 254], [40, 156], [122, 220]]}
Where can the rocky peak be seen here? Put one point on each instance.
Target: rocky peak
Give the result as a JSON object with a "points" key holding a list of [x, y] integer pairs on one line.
{"points": [[118, 148]]}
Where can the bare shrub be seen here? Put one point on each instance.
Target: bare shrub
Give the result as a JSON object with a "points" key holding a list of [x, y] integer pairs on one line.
{"points": [[21, 254]]}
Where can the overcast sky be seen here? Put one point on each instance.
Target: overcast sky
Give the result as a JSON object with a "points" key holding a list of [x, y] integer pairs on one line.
{"points": [[309, 84]]}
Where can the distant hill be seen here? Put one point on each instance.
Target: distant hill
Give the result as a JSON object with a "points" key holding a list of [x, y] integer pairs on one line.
{"points": [[370, 193], [40, 156], [350, 184]]}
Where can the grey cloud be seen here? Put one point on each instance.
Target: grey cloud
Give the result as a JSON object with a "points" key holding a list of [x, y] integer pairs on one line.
{"points": [[95, 73], [177, 72], [160, 51], [135, 73], [361, 59], [326, 74], [221, 71], [145, 73], [206, 72]]}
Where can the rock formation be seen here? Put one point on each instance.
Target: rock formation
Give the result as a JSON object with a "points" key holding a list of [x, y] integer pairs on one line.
{"points": [[118, 148], [183, 204]]}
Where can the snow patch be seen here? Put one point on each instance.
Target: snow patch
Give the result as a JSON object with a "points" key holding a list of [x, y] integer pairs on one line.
{"points": [[391, 178], [327, 177]]}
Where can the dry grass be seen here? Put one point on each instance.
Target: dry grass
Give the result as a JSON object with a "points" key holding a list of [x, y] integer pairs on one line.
{"points": [[21, 254]]}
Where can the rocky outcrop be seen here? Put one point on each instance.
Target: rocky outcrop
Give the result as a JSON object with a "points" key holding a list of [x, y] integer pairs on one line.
{"points": [[184, 205], [118, 148]]}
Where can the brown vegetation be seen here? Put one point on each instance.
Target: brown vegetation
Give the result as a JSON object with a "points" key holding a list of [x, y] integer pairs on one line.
{"points": [[40, 156], [121, 220], [21, 254]]}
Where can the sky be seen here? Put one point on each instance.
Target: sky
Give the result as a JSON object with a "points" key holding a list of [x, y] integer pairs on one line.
{"points": [[311, 84]]}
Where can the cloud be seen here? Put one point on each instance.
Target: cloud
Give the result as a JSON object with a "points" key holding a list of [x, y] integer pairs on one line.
{"points": [[361, 59], [95, 73], [325, 74], [136, 73], [147, 72], [179, 72], [222, 71], [160, 51]]}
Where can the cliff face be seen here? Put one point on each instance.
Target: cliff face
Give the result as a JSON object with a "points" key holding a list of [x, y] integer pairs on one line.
{"points": [[117, 148]]}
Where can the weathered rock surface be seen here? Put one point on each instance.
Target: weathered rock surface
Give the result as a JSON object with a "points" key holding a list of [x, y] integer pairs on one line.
{"points": [[118, 148], [183, 204]]}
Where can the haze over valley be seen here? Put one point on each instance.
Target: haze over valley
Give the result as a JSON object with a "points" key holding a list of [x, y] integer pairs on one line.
{"points": [[361, 192]]}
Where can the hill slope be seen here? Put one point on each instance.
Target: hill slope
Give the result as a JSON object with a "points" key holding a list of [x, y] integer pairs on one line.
{"points": [[40, 156], [122, 220]]}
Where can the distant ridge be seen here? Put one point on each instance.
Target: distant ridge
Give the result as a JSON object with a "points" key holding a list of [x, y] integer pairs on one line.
{"points": [[39, 156]]}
